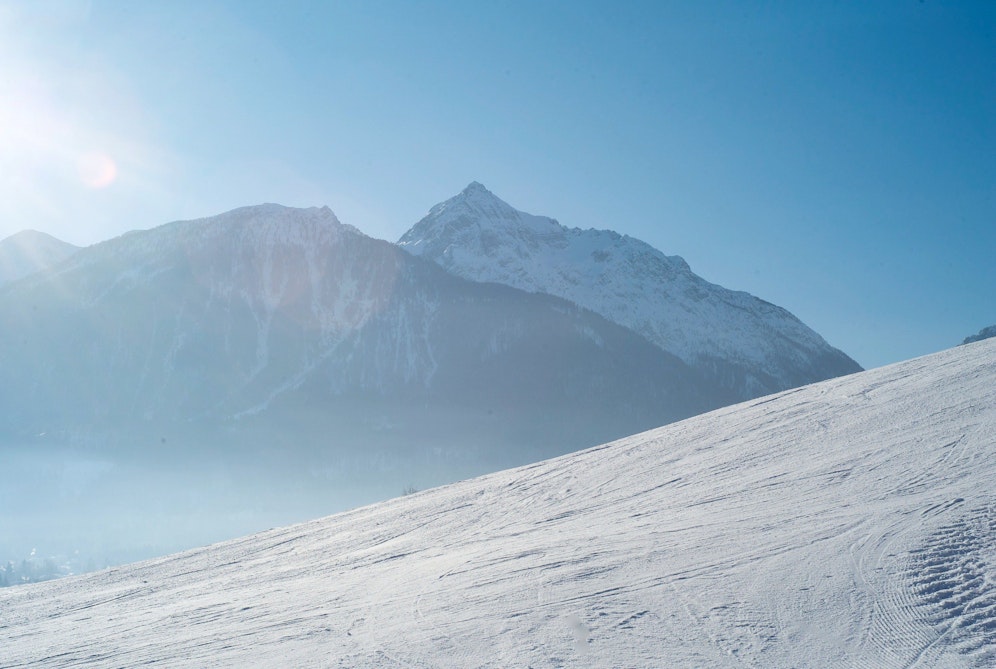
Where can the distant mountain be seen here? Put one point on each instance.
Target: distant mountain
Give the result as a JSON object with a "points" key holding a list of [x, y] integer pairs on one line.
{"points": [[749, 346], [274, 325], [28, 251], [180, 385], [848, 524], [984, 333]]}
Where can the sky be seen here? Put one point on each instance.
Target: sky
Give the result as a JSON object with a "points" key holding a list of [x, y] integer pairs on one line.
{"points": [[835, 158]]}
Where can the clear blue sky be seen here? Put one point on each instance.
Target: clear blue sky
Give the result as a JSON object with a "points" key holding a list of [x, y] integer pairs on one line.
{"points": [[835, 158]]}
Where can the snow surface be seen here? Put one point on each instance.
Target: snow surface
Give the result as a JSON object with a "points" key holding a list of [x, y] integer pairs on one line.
{"points": [[478, 236], [850, 523]]}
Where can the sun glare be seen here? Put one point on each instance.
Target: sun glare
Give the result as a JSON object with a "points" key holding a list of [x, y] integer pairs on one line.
{"points": [[70, 125], [97, 169]]}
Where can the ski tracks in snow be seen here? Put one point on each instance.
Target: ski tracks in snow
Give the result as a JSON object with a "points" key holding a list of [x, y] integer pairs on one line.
{"points": [[849, 524]]}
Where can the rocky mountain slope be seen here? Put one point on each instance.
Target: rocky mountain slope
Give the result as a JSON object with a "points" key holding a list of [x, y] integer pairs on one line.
{"points": [[267, 308], [850, 523], [748, 345], [29, 251], [268, 351]]}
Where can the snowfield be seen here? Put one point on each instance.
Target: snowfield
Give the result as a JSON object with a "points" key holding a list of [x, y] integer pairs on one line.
{"points": [[851, 523]]}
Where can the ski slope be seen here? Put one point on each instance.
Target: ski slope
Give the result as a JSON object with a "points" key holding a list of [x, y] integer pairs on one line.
{"points": [[851, 523]]}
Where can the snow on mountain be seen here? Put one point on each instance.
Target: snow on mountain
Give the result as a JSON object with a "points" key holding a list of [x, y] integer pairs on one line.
{"points": [[984, 333], [847, 523], [227, 315], [28, 251], [273, 359], [151, 309], [751, 346]]}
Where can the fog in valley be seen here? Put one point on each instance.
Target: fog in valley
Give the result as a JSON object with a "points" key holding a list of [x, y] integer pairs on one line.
{"points": [[205, 379]]}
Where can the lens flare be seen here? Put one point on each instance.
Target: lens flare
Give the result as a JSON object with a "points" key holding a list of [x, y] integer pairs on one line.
{"points": [[96, 169]]}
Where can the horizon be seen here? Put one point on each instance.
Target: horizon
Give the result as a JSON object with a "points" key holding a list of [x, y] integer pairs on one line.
{"points": [[836, 161]]}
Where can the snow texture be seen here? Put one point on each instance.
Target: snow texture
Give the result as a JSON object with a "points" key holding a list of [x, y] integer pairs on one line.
{"points": [[850, 523], [755, 347]]}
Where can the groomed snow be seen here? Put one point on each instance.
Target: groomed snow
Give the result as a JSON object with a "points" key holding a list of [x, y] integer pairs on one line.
{"points": [[850, 523]]}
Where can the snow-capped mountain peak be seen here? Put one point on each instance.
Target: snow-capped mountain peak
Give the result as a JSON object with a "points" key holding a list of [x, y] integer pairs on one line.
{"points": [[477, 214], [479, 221], [753, 346]]}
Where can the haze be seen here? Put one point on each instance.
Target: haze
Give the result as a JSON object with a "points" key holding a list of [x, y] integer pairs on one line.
{"points": [[836, 159]]}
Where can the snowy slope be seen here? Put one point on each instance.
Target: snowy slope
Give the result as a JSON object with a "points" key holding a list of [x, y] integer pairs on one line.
{"points": [[750, 345], [28, 251], [850, 523]]}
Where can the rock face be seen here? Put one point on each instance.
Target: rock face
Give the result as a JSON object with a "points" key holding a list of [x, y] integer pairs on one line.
{"points": [[747, 345], [29, 251], [271, 325]]}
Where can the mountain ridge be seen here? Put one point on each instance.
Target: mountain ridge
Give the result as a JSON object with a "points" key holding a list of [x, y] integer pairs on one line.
{"points": [[752, 346], [29, 251], [272, 259], [278, 340]]}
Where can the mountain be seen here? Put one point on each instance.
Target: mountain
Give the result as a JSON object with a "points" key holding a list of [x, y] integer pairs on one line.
{"points": [[750, 346], [984, 333], [849, 523], [266, 308], [29, 251], [272, 352]]}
